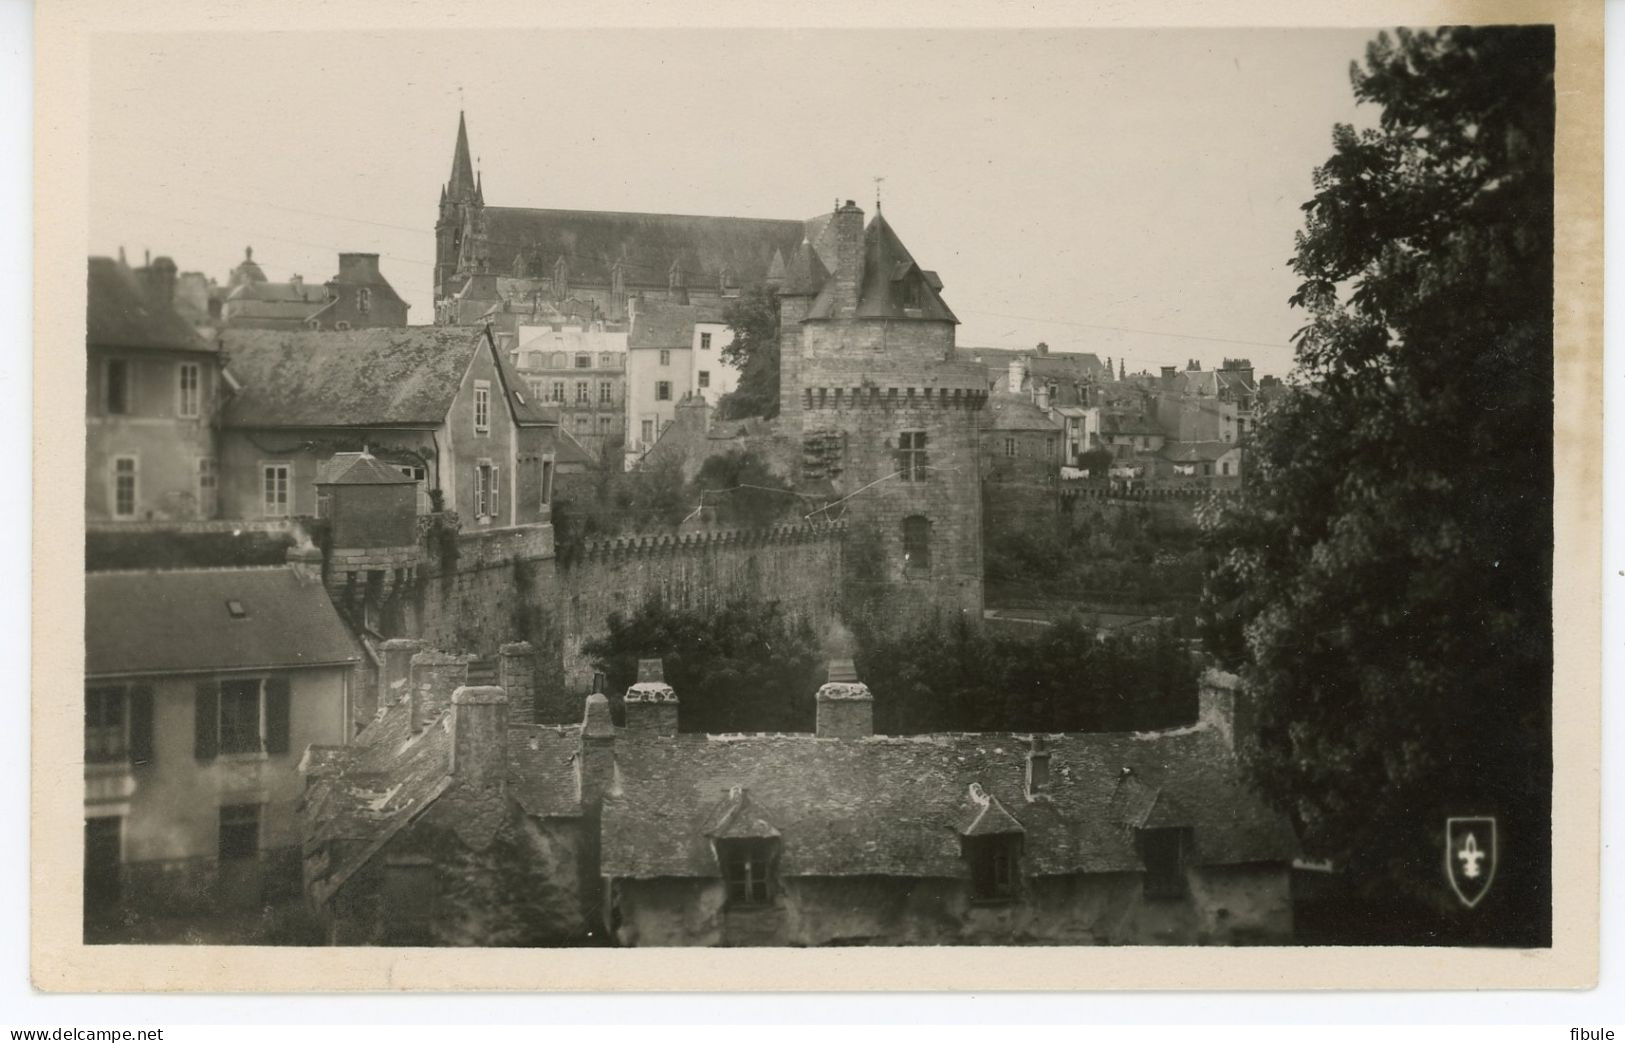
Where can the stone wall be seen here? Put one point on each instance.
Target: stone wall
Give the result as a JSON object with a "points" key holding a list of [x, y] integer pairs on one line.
{"points": [[501, 586], [798, 566]]}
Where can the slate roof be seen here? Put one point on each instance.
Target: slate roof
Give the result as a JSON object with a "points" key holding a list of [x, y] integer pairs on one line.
{"points": [[661, 324], [1186, 452], [404, 376], [888, 270], [280, 293], [897, 806], [646, 245], [118, 314], [1018, 413], [152, 623], [1128, 424]]}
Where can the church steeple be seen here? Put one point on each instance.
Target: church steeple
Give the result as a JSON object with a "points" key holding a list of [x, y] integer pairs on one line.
{"points": [[462, 165]]}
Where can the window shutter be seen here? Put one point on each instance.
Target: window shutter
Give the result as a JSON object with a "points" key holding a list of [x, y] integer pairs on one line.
{"points": [[496, 486], [206, 729], [276, 714], [141, 725], [479, 494]]}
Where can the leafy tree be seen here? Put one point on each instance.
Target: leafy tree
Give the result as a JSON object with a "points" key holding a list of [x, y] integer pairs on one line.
{"points": [[743, 667], [754, 320], [745, 491], [1384, 582]]}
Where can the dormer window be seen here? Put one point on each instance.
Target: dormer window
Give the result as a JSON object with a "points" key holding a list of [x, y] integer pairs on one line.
{"points": [[748, 868], [994, 862]]}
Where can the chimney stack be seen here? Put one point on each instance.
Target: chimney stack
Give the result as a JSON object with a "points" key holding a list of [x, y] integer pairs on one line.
{"points": [[395, 675], [651, 705], [479, 735], [848, 274], [1037, 767], [1222, 707], [306, 563], [359, 268], [846, 709], [595, 760], [1018, 374], [516, 673], [435, 676]]}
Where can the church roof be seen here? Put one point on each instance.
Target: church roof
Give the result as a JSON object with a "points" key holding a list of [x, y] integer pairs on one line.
{"points": [[462, 167], [646, 245]]}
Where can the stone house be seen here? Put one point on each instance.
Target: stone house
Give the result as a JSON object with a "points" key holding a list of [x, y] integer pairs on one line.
{"points": [[152, 394], [439, 403], [266, 305], [359, 297], [1210, 465], [448, 824], [202, 689], [1021, 457], [674, 351]]}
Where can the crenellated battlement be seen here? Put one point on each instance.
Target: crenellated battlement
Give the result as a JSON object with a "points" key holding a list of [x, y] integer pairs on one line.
{"points": [[871, 396], [670, 543]]}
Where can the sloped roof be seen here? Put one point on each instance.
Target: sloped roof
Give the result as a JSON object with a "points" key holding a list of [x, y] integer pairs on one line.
{"points": [[404, 376], [1128, 424], [280, 293], [895, 806], [1017, 413], [662, 324], [1186, 452], [358, 469], [118, 314], [645, 245], [889, 270], [152, 622]]}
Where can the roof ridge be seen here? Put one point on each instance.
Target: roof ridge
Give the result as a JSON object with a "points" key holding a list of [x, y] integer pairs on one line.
{"points": [[638, 213]]}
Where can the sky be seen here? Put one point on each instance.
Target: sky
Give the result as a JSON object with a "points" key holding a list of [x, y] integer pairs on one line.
{"points": [[1133, 193]]}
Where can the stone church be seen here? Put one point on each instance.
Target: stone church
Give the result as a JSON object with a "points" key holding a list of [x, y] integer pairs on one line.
{"points": [[546, 257]]}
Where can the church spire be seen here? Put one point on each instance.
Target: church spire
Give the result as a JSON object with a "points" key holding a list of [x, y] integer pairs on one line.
{"points": [[462, 166]]}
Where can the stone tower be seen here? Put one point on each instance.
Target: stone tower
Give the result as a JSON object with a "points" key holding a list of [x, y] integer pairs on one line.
{"points": [[461, 220], [887, 415]]}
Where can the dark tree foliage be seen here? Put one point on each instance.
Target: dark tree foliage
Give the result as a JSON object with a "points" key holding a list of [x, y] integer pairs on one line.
{"points": [[745, 492], [743, 667], [1384, 583], [754, 320], [748, 667], [955, 677]]}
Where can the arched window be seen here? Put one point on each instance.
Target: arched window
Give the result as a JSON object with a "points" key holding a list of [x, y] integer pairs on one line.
{"points": [[916, 545]]}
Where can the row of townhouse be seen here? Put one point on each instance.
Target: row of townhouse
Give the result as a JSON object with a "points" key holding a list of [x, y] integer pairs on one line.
{"points": [[203, 686], [180, 428]]}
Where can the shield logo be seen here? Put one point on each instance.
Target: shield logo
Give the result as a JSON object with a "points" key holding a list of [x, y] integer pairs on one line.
{"points": [[1470, 848]]}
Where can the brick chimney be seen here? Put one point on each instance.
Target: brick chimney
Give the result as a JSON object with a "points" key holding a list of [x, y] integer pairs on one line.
{"points": [[479, 735], [435, 676], [848, 274], [359, 268], [516, 669], [651, 705], [1037, 767], [846, 709]]}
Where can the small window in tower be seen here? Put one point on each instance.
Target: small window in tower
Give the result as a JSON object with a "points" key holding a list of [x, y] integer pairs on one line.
{"points": [[363, 300], [993, 866], [911, 465], [916, 545]]}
